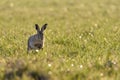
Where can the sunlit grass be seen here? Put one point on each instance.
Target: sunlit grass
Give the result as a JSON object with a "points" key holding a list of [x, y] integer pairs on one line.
{"points": [[82, 40]]}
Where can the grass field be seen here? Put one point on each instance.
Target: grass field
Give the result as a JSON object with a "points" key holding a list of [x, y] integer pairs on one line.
{"points": [[82, 40]]}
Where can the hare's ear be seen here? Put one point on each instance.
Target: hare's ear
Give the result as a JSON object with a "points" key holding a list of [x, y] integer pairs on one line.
{"points": [[44, 27], [37, 27]]}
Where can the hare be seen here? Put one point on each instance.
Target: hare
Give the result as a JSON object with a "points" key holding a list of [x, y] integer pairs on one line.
{"points": [[36, 41]]}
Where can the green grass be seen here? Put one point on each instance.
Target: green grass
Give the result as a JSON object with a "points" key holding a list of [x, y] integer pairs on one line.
{"points": [[82, 39]]}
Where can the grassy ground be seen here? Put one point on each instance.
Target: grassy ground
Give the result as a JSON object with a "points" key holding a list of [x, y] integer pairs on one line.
{"points": [[82, 40]]}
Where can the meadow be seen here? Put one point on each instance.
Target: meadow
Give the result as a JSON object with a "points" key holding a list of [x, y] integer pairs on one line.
{"points": [[82, 40]]}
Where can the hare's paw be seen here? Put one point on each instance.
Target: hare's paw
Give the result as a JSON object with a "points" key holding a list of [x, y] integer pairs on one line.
{"points": [[37, 51]]}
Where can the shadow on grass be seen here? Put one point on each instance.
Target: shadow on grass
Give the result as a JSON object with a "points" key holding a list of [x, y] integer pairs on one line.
{"points": [[19, 71]]}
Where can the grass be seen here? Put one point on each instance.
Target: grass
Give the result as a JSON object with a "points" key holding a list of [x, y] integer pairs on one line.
{"points": [[82, 40]]}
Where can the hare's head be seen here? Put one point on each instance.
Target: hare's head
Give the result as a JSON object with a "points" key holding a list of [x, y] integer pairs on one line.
{"points": [[40, 34]]}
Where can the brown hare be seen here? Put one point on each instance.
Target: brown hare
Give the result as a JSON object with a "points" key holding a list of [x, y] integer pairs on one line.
{"points": [[36, 41]]}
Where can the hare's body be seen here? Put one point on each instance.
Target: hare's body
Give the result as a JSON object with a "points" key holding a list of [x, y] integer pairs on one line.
{"points": [[36, 42]]}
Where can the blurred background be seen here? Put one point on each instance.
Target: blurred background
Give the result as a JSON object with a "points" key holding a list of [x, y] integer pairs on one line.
{"points": [[82, 39]]}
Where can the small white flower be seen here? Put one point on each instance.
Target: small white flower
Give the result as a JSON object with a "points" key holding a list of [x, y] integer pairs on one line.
{"points": [[91, 34], [81, 66], [37, 50], [49, 65], [72, 65], [101, 74], [114, 62], [99, 58], [96, 25], [80, 37], [45, 53]]}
